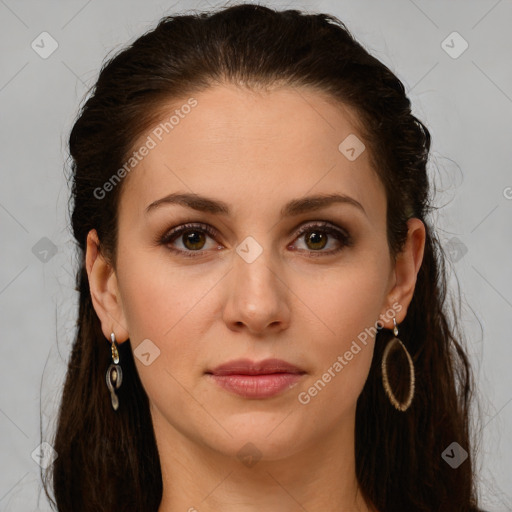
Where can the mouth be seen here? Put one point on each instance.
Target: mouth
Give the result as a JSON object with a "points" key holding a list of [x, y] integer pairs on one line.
{"points": [[256, 380]]}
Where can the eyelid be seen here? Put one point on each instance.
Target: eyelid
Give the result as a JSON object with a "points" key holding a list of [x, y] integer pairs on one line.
{"points": [[342, 234], [173, 233], [324, 224]]}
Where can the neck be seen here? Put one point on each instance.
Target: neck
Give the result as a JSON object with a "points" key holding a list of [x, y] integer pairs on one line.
{"points": [[196, 478]]}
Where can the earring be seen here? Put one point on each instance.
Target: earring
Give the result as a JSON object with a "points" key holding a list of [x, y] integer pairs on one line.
{"points": [[398, 405], [114, 375]]}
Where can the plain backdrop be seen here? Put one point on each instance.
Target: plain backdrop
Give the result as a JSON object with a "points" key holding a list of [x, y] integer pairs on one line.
{"points": [[461, 87]]}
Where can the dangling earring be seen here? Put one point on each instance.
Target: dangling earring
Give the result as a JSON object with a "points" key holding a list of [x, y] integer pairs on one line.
{"points": [[114, 375], [404, 405]]}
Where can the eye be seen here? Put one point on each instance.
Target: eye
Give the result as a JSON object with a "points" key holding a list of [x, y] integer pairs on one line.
{"points": [[192, 236], [316, 236]]}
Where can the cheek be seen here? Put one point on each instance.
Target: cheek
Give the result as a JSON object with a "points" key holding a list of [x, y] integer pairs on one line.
{"points": [[157, 296], [172, 308], [341, 317], [163, 305], [343, 302]]}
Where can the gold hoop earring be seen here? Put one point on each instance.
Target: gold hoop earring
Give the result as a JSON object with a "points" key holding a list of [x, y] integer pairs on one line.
{"points": [[401, 406], [114, 375]]}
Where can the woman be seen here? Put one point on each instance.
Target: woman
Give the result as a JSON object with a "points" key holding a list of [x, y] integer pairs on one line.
{"points": [[262, 320]]}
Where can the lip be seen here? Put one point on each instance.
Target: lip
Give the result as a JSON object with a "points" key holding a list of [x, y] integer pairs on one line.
{"points": [[251, 379], [248, 367]]}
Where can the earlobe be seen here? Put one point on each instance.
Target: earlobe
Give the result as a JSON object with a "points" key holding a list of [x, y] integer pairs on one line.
{"points": [[104, 290], [407, 265]]}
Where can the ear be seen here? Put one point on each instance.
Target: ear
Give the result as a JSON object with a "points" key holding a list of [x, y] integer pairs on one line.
{"points": [[407, 265], [104, 291]]}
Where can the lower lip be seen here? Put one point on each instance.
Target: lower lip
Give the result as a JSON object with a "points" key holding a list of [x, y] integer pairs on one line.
{"points": [[257, 386]]}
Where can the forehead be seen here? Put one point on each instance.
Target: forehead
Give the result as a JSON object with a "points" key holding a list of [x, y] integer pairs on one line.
{"points": [[250, 147]]}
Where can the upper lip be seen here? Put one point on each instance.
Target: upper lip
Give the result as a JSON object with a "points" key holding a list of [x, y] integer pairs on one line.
{"points": [[248, 367]]}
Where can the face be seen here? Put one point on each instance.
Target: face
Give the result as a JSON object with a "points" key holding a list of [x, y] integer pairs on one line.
{"points": [[247, 282]]}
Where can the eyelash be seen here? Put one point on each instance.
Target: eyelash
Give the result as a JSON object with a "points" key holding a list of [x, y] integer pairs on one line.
{"points": [[323, 226]]}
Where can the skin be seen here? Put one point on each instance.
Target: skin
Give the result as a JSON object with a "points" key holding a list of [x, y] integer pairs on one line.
{"points": [[255, 151]]}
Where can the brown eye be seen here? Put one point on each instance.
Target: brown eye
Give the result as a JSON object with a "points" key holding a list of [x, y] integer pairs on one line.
{"points": [[317, 236], [193, 240], [316, 240], [192, 237]]}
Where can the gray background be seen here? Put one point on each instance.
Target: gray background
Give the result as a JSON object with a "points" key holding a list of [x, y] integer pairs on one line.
{"points": [[466, 102]]}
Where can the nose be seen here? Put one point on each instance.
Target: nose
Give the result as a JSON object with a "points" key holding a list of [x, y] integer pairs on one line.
{"points": [[257, 295]]}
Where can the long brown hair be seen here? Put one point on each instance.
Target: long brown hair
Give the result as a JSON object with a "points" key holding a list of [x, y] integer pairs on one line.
{"points": [[108, 461]]}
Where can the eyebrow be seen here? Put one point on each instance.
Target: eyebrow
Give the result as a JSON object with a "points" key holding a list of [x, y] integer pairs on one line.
{"points": [[293, 207]]}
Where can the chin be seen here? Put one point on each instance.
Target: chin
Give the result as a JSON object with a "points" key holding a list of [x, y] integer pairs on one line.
{"points": [[262, 439]]}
